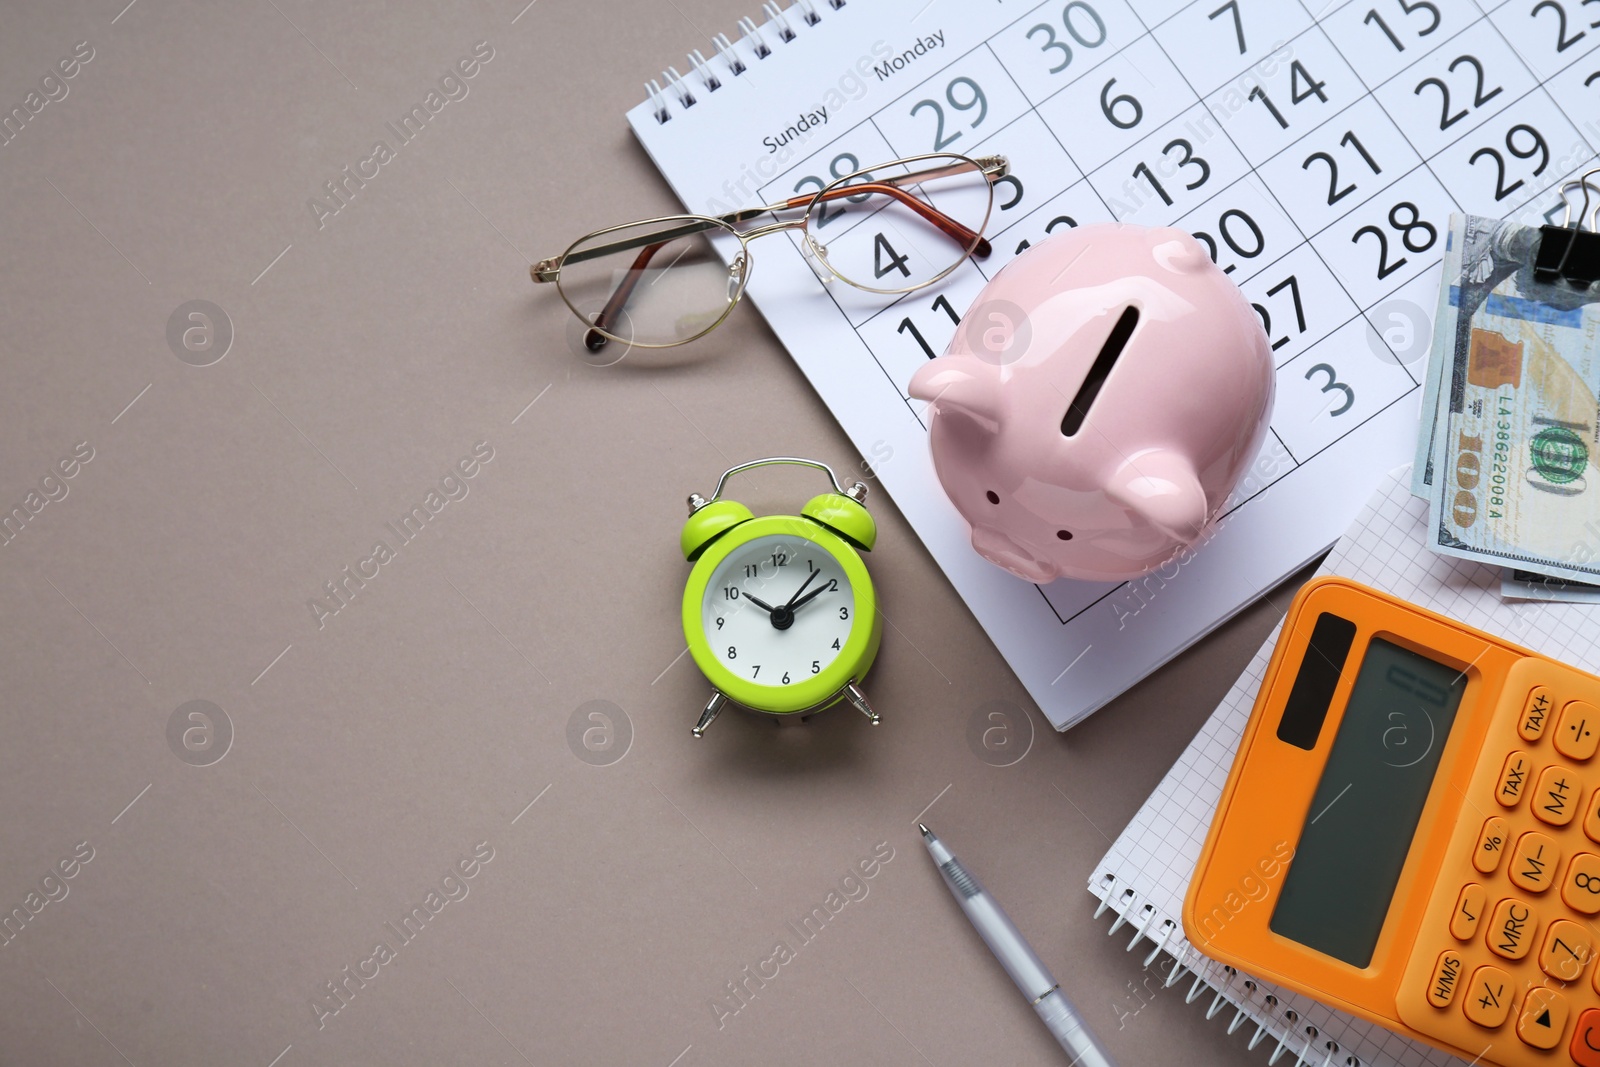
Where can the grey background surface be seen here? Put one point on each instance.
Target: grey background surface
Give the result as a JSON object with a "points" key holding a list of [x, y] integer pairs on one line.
{"points": [[243, 859]]}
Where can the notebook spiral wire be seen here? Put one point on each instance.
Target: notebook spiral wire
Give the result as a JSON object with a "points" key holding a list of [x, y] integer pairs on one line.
{"points": [[1299, 1042]]}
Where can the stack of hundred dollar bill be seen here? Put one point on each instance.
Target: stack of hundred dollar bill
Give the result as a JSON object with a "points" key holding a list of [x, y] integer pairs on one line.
{"points": [[1507, 451]]}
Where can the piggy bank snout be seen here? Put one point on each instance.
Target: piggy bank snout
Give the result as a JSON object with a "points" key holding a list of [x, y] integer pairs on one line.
{"points": [[998, 548]]}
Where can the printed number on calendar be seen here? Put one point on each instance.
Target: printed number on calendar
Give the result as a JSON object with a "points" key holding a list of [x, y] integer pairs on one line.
{"points": [[1049, 228], [1333, 385], [886, 259], [1407, 229], [1232, 7], [1292, 286], [1083, 24], [1302, 87], [1189, 160], [1123, 110], [1520, 151], [1336, 194], [908, 327], [1480, 96], [845, 163], [1412, 8], [1564, 42], [1241, 234], [1015, 184], [971, 99]]}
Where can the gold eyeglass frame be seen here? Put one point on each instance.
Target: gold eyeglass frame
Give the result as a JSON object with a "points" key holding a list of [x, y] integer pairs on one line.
{"points": [[992, 168]]}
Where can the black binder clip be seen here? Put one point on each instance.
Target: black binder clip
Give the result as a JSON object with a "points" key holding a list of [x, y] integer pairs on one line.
{"points": [[1569, 252]]}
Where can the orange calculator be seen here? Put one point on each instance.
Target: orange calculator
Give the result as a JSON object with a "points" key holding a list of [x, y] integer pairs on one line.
{"points": [[1411, 832]]}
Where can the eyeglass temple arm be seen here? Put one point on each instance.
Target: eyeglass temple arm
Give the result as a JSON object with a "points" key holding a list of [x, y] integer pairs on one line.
{"points": [[951, 228], [593, 339], [993, 168], [546, 270]]}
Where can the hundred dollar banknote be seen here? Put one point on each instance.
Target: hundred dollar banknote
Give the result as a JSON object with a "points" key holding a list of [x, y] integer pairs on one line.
{"points": [[1512, 475]]}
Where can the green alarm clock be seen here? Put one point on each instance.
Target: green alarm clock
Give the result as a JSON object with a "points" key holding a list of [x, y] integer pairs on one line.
{"points": [[779, 612]]}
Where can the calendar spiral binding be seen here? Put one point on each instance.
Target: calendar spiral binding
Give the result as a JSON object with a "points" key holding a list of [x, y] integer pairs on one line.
{"points": [[757, 43], [1295, 1035]]}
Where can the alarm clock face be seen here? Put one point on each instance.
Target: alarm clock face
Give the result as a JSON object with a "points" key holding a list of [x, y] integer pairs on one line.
{"points": [[778, 610]]}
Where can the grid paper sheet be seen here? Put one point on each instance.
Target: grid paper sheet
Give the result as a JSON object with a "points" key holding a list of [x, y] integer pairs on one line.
{"points": [[1146, 874], [1319, 148]]}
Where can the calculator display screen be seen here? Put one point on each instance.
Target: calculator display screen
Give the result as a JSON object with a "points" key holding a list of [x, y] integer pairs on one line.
{"points": [[1364, 813]]}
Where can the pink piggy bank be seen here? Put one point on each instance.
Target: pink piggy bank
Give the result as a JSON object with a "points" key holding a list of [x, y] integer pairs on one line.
{"points": [[1098, 404]]}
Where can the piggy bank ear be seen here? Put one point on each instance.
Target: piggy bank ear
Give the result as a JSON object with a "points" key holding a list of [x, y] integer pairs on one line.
{"points": [[961, 385], [1160, 486]]}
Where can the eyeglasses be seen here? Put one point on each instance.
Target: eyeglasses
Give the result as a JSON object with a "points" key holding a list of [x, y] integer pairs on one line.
{"points": [[892, 228]]}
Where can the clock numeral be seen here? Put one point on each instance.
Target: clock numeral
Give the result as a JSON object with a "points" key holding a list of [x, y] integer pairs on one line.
{"points": [[752, 570], [756, 670], [733, 653], [811, 565], [844, 613], [816, 666], [730, 592], [719, 622], [785, 677], [836, 643], [780, 559]]}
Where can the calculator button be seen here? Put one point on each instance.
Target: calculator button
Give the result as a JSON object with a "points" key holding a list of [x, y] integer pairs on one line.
{"points": [[1514, 779], [1543, 1017], [1533, 862], [1566, 952], [1555, 796], [1447, 974], [1535, 714], [1580, 888], [1576, 732], [1491, 844], [1488, 1000], [1470, 906], [1585, 1047], [1511, 929], [1591, 817]]}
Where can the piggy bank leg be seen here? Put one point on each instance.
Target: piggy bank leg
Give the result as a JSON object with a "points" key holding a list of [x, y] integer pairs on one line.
{"points": [[1160, 487]]}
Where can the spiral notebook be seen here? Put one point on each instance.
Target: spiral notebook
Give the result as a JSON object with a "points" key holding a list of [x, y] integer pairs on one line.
{"points": [[1145, 875], [1303, 141]]}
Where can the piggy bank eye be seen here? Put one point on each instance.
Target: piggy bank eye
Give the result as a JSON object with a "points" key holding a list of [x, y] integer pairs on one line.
{"points": [[994, 497], [1065, 535]]}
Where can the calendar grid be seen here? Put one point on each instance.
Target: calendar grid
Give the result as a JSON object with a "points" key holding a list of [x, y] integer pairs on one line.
{"points": [[1033, 109], [1305, 238], [1372, 91], [1301, 241], [1317, 155]]}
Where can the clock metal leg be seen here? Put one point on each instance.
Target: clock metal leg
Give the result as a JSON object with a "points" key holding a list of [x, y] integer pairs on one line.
{"points": [[713, 706], [858, 700]]}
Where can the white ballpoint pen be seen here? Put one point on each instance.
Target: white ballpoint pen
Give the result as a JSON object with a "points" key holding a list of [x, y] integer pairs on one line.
{"points": [[1019, 960]]}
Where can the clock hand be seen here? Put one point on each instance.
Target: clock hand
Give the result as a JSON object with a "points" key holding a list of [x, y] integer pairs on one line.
{"points": [[802, 589], [758, 602], [803, 601]]}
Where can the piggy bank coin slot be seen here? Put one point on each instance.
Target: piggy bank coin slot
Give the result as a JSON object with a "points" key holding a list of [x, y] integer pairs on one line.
{"points": [[1098, 372]]}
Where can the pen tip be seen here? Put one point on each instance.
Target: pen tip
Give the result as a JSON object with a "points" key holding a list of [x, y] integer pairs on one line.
{"points": [[925, 831]]}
